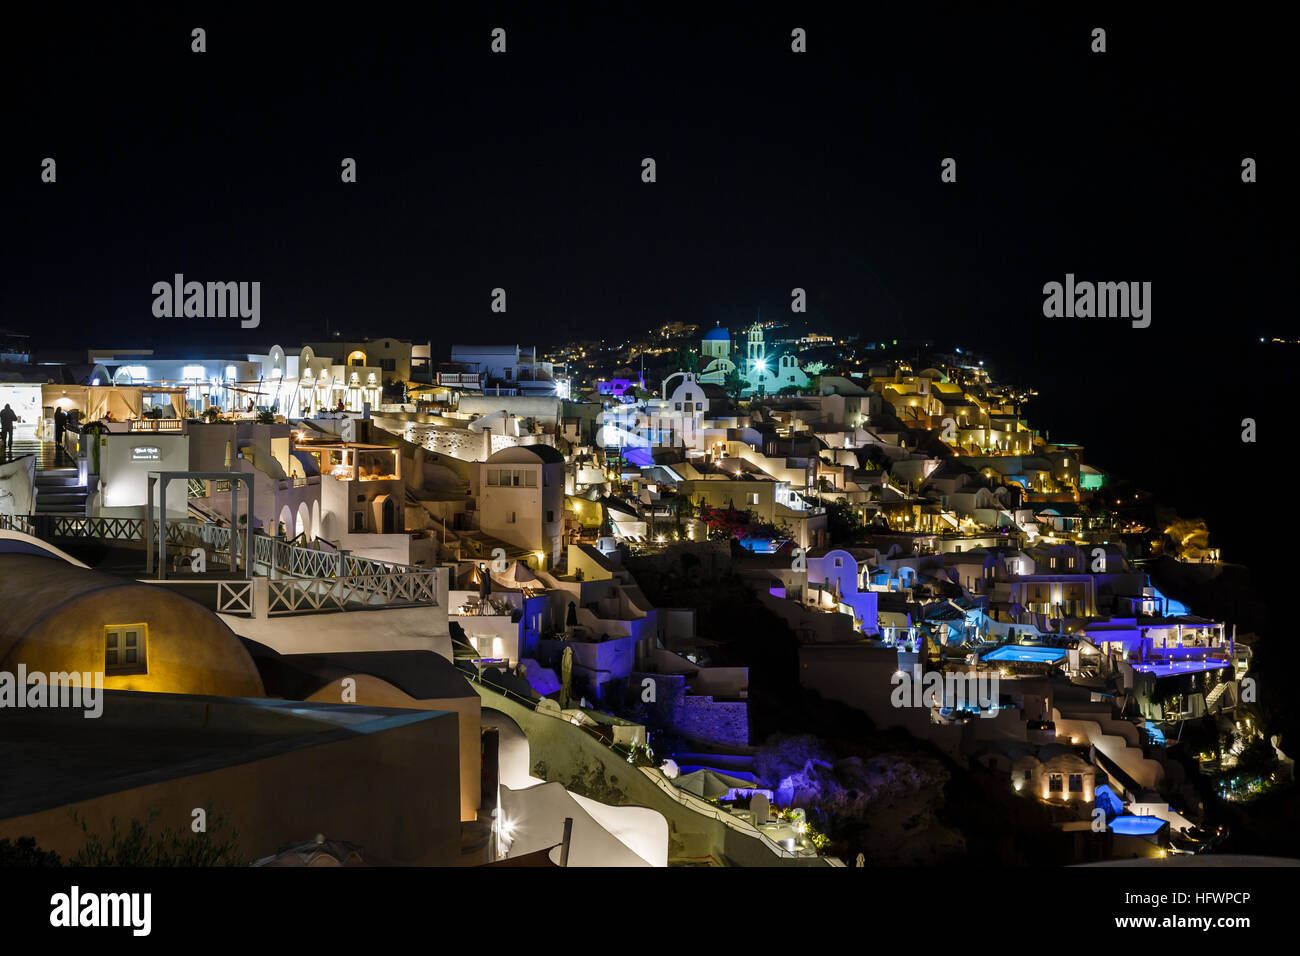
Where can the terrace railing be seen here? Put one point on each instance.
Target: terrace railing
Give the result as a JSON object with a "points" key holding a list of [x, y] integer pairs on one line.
{"points": [[301, 595], [235, 597], [170, 425], [301, 579], [49, 526]]}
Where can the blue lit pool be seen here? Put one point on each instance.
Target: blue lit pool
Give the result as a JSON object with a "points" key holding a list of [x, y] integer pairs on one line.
{"points": [[1180, 667], [1136, 826], [1029, 655]]}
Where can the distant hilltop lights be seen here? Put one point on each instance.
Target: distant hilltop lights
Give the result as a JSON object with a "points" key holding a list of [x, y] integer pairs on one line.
{"points": [[1098, 300]]}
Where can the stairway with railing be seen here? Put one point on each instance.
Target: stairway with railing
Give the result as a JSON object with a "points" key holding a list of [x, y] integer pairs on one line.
{"points": [[498, 697]]}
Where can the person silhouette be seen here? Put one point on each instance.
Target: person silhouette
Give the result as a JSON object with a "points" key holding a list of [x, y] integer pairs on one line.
{"points": [[7, 418]]}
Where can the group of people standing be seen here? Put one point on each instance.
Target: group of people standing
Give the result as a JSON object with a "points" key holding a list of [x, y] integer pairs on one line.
{"points": [[8, 418]]}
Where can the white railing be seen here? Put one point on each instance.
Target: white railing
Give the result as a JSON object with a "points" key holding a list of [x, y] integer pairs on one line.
{"points": [[300, 595], [20, 523], [235, 597], [158, 425], [692, 802]]}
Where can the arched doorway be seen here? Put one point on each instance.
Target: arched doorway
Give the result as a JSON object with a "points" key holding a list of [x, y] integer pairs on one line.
{"points": [[284, 526], [304, 521]]}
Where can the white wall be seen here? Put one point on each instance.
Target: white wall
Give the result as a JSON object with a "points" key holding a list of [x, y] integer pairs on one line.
{"points": [[124, 474]]}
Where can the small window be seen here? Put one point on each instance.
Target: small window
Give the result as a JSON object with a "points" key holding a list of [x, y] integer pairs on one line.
{"points": [[1076, 783], [677, 406], [699, 406], [690, 397], [124, 649], [510, 518], [550, 516], [1055, 783], [358, 521], [839, 562], [753, 497], [546, 480], [530, 479]]}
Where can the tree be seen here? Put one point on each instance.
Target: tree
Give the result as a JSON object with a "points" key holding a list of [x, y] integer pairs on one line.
{"points": [[842, 522], [724, 523], [686, 360], [1257, 758], [734, 384], [681, 506]]}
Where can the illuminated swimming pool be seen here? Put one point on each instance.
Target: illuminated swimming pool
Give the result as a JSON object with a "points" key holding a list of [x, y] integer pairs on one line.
{"points": [[1029, 655], [1136, 826], [1180, 667]]}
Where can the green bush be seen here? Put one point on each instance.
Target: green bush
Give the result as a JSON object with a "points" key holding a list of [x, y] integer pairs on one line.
{"points": [[25, 852], [139, 847]]}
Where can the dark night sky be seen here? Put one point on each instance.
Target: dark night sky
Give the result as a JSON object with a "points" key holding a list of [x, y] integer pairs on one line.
{"points": [[522, 171], [775, 170]]}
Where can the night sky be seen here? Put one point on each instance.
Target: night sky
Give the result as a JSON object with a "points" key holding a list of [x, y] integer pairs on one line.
{"points": [[775, 170]]}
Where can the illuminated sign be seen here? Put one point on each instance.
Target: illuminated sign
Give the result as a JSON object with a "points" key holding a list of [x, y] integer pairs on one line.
{"points": [[145, 453]]}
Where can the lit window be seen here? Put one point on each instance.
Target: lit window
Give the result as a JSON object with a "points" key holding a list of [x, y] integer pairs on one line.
{"points": [[1055, 783], [124, 649]]}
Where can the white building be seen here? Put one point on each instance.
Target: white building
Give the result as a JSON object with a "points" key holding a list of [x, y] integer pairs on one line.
{"points": [[521, 499]]}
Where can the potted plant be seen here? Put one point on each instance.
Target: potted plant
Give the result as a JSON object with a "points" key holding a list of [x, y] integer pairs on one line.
{"points": [[91, 431]]}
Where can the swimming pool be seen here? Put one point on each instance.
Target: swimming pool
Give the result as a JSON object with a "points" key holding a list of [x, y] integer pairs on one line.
{"points": [[1136, 826], [1030, 655], [1180, 667]]}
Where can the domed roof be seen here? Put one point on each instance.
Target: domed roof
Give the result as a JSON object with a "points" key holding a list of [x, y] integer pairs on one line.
{"points": [[717, 334], [527, 454]]}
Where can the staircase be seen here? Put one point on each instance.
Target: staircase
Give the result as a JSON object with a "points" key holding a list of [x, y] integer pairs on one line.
{"points": [[1212, 698], [60, 492]]}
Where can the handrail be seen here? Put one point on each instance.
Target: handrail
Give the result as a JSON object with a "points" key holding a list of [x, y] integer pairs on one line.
{"points": [[688, 800], [705, 808]]}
